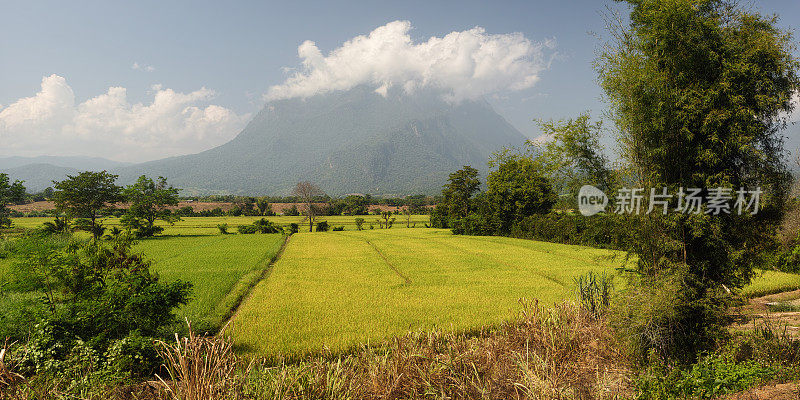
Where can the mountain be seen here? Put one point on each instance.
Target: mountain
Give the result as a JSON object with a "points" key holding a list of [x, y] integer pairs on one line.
{"points": [[40, 172], [38, 177], [79, 163], [345, 142]]}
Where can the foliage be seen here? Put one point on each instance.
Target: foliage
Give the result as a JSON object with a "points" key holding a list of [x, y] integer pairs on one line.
{"points": [[322, 226], [293, 228], [307, 192], [456, 194], [9, 193], [699, 92], [93, 295], [85, 195], [516, 188], [223, 228], [264, 208], [58, 225], [247, 229], [594, 293], [148, 202], [337, 228], [608, 231], [359, 223], [573, 156]]}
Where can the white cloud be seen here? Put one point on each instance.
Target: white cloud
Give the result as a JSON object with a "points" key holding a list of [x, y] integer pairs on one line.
{"points": [[142, 67], [796, 113], [463, 65], [108, 125]]}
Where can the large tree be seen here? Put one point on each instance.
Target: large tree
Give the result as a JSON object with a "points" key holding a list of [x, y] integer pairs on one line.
{"points": [[9, 193], [699, 91], [516, 188], [86, 194], [308, 192], [149, 201], [459, 190]]}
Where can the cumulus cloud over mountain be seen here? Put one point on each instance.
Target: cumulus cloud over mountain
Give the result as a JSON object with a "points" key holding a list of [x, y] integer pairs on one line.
{"points": [[463, 65], [52, 122]]}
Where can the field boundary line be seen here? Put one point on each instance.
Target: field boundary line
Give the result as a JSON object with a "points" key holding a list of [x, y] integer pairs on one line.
{"points": [[265, 272], [389, 263]]}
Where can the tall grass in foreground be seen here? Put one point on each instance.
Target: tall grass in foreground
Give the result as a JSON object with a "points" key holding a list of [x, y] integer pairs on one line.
{"points": [[560, 353]]}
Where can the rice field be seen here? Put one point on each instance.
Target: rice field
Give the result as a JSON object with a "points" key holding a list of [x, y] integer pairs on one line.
{"points": [[222, 269], [338, 289], [208, 225], [335, 290]]}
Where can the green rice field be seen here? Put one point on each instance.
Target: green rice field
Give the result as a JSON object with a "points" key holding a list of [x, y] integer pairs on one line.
{"points": [[337, 289]]}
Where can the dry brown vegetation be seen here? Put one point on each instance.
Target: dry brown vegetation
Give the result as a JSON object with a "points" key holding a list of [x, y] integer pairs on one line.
{"points": [[559, 353]]}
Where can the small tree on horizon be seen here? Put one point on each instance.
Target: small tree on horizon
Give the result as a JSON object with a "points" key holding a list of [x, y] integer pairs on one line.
{"points": [[306, 192]]}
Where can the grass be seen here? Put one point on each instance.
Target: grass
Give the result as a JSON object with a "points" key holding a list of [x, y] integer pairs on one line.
{"points": [[338, 289], [222, 269], [769, 282], [208, 225]]}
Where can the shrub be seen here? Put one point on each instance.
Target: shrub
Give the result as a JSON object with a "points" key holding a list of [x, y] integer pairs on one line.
{"points": [[223, 228], [133, 355], [265, 226], [247, 229], [359, 223], [337, 228], [293, 228], [322, 226]]}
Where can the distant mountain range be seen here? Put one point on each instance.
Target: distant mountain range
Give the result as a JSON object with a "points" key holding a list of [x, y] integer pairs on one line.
{"points": [[345, 142], [40, 172]]}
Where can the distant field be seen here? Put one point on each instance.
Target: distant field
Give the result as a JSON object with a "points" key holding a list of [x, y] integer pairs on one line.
{"points": [[208, 225], [338, 289]]}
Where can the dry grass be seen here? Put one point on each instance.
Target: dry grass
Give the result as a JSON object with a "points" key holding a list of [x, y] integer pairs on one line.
{"points": [[200, 367], [561, 353], [8, 378]]}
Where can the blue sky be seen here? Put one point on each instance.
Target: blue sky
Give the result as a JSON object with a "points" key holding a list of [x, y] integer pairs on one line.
{"points": [[238, 50]]}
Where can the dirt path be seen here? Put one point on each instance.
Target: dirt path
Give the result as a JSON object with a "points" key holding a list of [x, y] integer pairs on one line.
{"points": [[783, 391], [780, 311]]}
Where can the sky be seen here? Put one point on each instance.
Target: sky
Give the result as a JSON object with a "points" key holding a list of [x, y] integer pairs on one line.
{"points": [[137, 81]]}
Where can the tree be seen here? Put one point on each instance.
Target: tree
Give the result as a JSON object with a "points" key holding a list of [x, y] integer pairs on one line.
{"points": [[516, 188], [264, 207], [148, 202], [307, 192], [86, 194], [9, 193], [699, 91], [457, 193], [574, 156]]}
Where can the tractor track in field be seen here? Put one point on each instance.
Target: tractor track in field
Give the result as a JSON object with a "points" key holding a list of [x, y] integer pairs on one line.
{"points": [[383, 256], [264, 275], [476, 254], [389, 263]]}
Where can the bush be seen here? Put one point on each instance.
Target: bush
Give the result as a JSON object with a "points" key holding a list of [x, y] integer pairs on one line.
{"points": [[293, 228], [247, 229], [789, 260], [265, 226], [359, 223], [322, 226], [223, 228], [337, 228], [133, 355]]}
